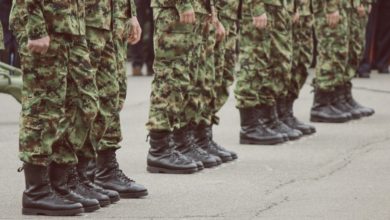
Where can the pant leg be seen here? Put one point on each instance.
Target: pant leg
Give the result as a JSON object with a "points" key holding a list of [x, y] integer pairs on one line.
{"points": [[281, 49], [302, 54], [171, 83], [43, 120], [201, 94], [113, 135], [103, 60], [332, 52], [82, 98], [356, 27], [254, 83], [225, 64]]}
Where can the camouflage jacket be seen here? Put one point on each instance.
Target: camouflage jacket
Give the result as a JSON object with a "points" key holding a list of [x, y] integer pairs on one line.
{"points": [[55, 16], [18, 16], [180, 5], [98, 13], [303, 6], [257, 7], [124, 9], [327, 6], [227, 8]]}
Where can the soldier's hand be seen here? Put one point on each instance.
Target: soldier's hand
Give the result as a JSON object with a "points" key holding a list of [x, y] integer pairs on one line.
{"points": [[260, 21], [135, 31], [39, 45], [361, 11], [333, 18], [220, 31], [187, 17], [296, 17]]}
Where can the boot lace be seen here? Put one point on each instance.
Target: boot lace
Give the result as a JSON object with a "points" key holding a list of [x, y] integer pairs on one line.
{"points": [[118, 172]]}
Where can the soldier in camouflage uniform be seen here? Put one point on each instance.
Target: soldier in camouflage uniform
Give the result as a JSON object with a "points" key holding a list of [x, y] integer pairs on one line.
{"points": [[333, 101], [58, 85], [302, 43], [105, 133], [171, 105], [215, 70]]}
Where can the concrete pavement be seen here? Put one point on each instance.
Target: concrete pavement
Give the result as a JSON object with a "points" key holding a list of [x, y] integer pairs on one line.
{"points": [[341, 173]]}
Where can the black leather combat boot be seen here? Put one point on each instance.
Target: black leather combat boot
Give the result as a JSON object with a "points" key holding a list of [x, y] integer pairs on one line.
{"points": [[40, 199], [269, 116], [209, 145], [76, 186], [110, 177], [82, 168], [253, 132], [342, 104], [58, 174], [185, 143], [324, 111], [366, 111], [163, 158], [286, 115]]}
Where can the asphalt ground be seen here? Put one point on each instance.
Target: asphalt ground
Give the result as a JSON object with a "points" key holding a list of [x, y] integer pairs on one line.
{"points": [[340, 173]]}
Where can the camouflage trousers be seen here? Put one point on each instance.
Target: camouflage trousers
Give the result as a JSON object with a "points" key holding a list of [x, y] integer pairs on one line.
{"points": [[302, 54], [103, 59], [225, 63], [202, 95], [1, 37], [332, 52], [58, 88], [113, 135], [254, 85], [280, 61], [172, 83], [356, 36]]}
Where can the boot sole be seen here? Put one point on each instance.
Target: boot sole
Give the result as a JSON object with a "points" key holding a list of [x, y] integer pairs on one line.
{"points": [[91, 208], [226, 159], [133, 195], [71, 212], [323, 120], [265, 142], [169, 171], [210, 165], [104, 203], [114, 199]]}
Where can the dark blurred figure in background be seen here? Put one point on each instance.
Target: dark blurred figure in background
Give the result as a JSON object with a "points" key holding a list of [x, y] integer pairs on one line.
{"points": [[142, 52], [10, 54], [377, 49]]}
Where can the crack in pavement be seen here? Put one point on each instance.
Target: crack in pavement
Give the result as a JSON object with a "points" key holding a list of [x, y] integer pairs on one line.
{"points": [[335, 166], [272, 205]]}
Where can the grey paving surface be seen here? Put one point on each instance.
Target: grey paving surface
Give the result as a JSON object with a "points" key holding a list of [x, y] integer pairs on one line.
{"points": [[341, 173]]}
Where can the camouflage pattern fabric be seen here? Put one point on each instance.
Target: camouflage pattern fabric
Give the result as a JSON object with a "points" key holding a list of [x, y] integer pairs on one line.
{"points": [[225, 63], [302, 53], [227, 9], [65, 17], [123, 11], [171, 84], [103, 60], [280, 49], [57, 87], [202, 72], [254, 83], [356, 37], [1, 38], [99, 13], [332, 51]]}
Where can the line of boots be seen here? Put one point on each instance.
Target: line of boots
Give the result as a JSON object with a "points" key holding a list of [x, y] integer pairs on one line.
{"points": [[269, 125], [337, 106], [62, 190], [186, 150]]}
